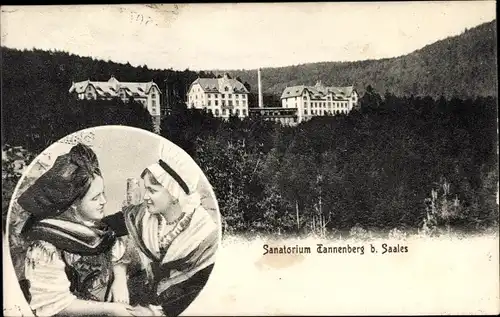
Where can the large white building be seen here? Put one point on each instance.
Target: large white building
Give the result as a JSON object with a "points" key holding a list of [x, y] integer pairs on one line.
{"points": [[147, 93], [221, 96], [319, 100]]}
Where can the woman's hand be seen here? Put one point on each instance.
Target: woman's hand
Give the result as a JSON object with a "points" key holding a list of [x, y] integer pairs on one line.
{"points": [[119, 292], [120, 309], [151, 310], [119, 289]]}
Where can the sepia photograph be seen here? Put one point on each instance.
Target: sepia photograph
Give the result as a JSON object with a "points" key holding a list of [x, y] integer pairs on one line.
{"points": [[99, 229], [328, 158]]}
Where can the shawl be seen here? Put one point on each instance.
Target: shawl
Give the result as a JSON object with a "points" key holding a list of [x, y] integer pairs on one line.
{"points": [[193, 247]]}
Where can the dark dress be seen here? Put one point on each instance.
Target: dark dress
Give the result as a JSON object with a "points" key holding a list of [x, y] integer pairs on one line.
{"points": [[175, 299]]}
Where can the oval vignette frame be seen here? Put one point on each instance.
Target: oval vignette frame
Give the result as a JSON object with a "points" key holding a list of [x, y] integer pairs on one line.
{"points": [[102, 140]]}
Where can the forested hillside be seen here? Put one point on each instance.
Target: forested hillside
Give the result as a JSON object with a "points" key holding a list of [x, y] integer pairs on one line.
{"points": [[407, 163], [401, 161], [35, 92], [461, 66]]}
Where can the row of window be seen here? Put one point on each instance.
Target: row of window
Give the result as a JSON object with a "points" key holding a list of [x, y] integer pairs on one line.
{"points": [[319, 103], [225, 112], [323, 112], [229, 103], [223, 103], [323, 105], [305, 97], [219, 96], [228, 96]]}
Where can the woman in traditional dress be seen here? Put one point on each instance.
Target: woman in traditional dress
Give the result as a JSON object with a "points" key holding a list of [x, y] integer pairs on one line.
{"points": [[72, 251], [176, 235]]}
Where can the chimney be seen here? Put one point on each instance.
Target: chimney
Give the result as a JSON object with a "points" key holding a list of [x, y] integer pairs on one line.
{"points": [[261, 104]]}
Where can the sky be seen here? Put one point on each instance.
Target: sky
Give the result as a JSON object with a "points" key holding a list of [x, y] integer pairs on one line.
{"points": [[239, 36]]}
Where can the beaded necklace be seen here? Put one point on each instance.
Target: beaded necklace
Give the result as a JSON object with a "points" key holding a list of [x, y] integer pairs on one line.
{"points": [[180, 224]]}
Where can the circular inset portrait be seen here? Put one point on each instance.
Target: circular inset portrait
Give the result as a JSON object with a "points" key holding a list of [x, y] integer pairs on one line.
{"points": [[113, 221]]}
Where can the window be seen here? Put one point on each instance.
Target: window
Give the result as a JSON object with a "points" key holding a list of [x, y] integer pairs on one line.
{"points": [[226, 89], [209, 103], [196, 96], [223, 112], [223, 103], [216, 112], [305, 111], [153, 103], [244, 112], [237, 103], [153, 95], [223, 96], [216, 102], [237, 96], [230, 102], [237, 112]]}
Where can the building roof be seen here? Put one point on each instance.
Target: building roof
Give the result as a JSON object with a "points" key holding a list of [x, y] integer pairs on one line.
{"points": [[112, 87], [318, 91], [218, 85]]}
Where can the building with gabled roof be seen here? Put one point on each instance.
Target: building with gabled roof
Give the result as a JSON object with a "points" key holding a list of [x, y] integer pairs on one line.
{"points": [[147, 93], [319, 100], [222, 97]]}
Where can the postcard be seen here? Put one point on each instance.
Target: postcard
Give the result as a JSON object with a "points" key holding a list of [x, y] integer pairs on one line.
{"points": [[250, 159]]}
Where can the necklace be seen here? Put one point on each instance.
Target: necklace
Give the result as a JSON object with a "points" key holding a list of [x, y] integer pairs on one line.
{"points": [[181, 225], [161, 236], [161, 219]]}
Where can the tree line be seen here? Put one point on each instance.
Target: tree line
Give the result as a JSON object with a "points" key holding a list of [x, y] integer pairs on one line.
{"points": [[375, 168]]}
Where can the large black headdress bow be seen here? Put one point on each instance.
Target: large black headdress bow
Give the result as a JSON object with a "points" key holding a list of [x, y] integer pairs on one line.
{"points": [[66, 181]]}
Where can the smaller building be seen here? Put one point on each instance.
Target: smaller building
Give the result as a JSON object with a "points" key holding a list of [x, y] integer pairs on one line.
{"points": [[147, 93], [285, 116], [222, 97]]}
